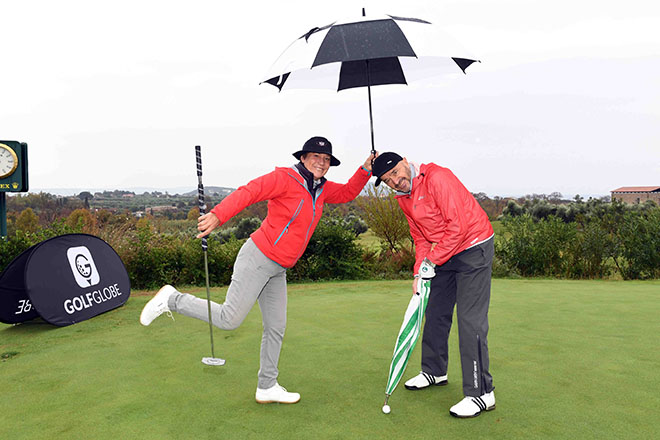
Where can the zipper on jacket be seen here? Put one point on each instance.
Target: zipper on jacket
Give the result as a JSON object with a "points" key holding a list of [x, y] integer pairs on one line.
{"points": [[295, 214], [314, 198], [313, 218]]}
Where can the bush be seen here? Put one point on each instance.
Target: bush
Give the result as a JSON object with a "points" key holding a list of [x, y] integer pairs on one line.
{"points": [[639, 240], [601, 237], [589, 251], [536, 248], [332, 254], [20, 240], [389, 264]]}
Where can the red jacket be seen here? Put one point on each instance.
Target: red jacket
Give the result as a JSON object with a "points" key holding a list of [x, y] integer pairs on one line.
{"points": [[292, 212], [441, 210]]}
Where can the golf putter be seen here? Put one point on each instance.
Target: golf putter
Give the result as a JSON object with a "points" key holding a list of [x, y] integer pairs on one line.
{"points": [[214, 361]]}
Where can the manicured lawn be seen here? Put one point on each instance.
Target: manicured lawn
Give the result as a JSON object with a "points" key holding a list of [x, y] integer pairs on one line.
{"points": [[570, 359]]}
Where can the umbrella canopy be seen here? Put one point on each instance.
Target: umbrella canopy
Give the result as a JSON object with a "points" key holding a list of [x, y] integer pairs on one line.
{"points": [[408, 335], [365, 52]]}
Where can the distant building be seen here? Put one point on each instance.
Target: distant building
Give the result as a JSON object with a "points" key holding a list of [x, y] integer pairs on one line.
{"points": [[637, 194]]}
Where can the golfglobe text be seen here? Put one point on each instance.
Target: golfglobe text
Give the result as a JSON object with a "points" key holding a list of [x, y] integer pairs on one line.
{"points": [[87, 300]]}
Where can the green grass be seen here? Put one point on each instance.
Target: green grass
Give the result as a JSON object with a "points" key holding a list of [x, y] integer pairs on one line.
{"points": [[570, 359], [369, 240]]}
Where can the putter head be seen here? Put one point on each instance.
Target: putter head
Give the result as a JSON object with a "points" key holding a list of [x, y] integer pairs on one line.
{"points": [[213, 361]]}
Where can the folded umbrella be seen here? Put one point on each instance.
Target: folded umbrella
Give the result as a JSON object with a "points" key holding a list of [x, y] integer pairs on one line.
{"points": [[407, 339]]}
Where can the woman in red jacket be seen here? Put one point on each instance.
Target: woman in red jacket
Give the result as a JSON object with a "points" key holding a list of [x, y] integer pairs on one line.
{"points": [[295, 204]]}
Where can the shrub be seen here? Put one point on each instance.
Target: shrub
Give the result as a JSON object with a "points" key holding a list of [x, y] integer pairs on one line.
{"points": [[639, 239], [389, 264], [536, 248], [385, 218], [332, 254]]}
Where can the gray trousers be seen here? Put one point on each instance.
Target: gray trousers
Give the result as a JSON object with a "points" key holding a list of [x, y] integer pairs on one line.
{"points": [[464, 280], [255, 278]]}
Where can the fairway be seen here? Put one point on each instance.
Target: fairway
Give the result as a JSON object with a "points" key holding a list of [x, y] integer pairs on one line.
{"points": [[570, 359]]}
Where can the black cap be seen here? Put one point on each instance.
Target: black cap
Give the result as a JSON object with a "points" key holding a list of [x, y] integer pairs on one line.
{"points": [[383, 164], [318, 144]]}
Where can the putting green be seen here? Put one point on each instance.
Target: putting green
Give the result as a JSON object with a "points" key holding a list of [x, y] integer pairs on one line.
{"points": [[570, 359]]}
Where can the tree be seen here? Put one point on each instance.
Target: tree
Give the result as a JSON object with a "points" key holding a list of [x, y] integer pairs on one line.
{"points": [[82, 220], [555, 198], [385, 218], [28, 221], [85, 195], [193, 214]]}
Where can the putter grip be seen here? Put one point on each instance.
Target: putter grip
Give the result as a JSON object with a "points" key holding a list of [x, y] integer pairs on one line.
{"points": [[200, 189], [198, 156]]}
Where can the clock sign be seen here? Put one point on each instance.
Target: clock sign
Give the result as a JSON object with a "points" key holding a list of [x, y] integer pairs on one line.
{"points": [[13, 166], [8, 161]]}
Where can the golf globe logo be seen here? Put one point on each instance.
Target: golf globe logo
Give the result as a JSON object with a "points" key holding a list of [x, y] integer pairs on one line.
{"points": [[83, 267]]}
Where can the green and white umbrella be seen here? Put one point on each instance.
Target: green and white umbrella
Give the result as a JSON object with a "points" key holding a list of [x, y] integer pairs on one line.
{"points": [[408, 335]]}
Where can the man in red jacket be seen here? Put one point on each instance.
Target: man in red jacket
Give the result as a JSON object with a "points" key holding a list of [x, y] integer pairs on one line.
{"points": [[296, 196], [454, 248]]}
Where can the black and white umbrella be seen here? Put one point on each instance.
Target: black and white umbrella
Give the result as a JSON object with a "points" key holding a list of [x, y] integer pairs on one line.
{"points": [[367, 52]]}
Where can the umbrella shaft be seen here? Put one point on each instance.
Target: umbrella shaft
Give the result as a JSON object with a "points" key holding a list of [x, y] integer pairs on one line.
{"points": [[371, 118]]}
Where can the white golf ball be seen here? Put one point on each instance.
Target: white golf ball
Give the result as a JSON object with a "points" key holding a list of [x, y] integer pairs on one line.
{"points": [[386, 409]]}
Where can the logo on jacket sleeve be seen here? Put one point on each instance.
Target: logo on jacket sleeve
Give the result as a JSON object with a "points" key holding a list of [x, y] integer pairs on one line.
{"points": [[82, 266]]}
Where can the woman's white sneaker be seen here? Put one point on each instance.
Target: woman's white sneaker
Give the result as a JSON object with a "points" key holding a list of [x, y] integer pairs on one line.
{"points": [[423, 380], [276, 394], [157, 305], [473, 406]]}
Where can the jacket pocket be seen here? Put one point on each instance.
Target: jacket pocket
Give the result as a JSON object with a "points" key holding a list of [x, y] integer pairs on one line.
{"points": [[295, 214]]}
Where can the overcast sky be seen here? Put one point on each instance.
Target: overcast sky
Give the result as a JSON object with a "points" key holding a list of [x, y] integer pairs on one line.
{"points": [[114, 95]]}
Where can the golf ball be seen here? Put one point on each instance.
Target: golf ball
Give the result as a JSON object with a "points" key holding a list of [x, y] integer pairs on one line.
{"points": [[386, 409]]}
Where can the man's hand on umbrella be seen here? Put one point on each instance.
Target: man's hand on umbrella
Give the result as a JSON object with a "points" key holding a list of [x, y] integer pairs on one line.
{"points": [[414, 285], [207, 223], [369, 161]]}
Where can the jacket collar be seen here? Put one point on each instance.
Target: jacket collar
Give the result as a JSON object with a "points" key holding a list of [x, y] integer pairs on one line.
{"points": [[312, 185]]}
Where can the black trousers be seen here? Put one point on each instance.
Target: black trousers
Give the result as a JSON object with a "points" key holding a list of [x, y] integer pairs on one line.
{"points": [[464, 280]]}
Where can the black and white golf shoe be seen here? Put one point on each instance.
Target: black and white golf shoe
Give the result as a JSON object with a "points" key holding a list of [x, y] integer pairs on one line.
{"points": [[423, 380], [473, 406]]}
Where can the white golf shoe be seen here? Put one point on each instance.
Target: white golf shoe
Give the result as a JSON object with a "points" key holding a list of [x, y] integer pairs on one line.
{"points": [[423, 380], [276, 394], [473, 406], [157, 305]]}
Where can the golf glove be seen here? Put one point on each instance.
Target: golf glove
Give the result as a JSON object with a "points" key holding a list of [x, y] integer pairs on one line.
{"points": [[427, 269]]}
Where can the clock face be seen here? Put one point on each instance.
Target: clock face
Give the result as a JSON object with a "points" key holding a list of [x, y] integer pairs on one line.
{"points": [[8, 161]]}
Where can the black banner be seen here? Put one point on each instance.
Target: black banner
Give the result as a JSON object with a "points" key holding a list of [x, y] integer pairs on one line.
{"points": [[66, 279], [15, 305]]}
